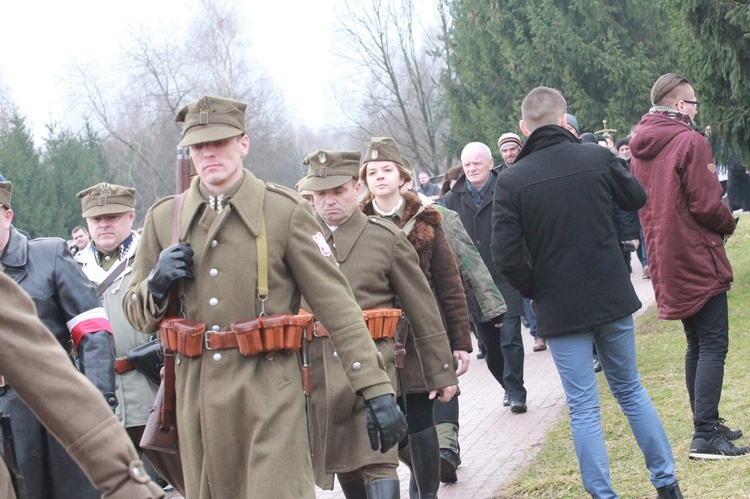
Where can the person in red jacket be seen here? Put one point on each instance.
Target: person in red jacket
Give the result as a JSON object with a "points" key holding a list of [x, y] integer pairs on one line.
{"points": [[686, 226]]}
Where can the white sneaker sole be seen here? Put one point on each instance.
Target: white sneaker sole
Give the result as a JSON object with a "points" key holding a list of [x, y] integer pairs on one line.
{"points": [[713, 457]]}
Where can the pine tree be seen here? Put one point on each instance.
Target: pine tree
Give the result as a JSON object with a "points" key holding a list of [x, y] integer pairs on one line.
{"points": [[602, 55]]}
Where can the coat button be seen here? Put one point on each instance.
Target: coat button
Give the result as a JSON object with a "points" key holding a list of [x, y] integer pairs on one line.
{"points": [[213, 272], [214, 243], [178, 361], [336, 354], [215, 328], [217, 356], [446, 367], [213, 302], [357, 366], [134, 297]]}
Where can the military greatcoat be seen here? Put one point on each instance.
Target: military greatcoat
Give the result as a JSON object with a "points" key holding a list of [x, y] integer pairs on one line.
{"points": [[379, 263], [65, 402], [241, 420]]}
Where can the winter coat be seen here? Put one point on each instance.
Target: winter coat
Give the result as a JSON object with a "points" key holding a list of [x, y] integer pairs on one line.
{"points": [[135, 393], [474, 273], [438, 264], [379, 264], [478, 224], [67, 304], [68, 405], [684, 219], [241, 419], [556, 202]]}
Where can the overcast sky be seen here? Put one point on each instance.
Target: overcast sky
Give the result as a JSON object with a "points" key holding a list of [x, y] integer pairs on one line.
{"points": [[39, 40]]}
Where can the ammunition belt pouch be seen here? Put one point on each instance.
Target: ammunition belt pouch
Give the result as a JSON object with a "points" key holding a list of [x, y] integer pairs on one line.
{"points": [[381, 323], [275, 333]]}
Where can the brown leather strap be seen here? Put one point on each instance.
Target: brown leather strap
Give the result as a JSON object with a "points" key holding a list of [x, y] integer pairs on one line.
{"points": [[221, 340], [123, 365], [169, 406], [114, 275]]}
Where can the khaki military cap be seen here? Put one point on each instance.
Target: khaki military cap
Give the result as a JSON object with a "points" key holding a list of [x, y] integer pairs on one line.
{"points": [[211, 118], [384, 149], [330, 169], [300, 190], [6, 191], [106, 199]]}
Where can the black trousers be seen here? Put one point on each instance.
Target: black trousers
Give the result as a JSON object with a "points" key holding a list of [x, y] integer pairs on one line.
{"points": [[707, 334], [505, 355]]}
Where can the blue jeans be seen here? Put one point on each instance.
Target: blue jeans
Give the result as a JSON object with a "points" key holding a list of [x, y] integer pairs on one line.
{"points": [[615, 343], [530, 316]]}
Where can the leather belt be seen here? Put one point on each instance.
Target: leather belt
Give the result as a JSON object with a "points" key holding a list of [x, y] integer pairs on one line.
{"points": [[319, 331], [123, 365], [220, 340]]}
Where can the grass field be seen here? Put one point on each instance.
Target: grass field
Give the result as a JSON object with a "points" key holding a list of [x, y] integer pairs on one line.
{"points": [[553, 472]]}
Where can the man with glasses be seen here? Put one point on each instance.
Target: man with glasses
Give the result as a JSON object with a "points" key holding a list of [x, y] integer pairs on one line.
{"points": [[686, 225]]}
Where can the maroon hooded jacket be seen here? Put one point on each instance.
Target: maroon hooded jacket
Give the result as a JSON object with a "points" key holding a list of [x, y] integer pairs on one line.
{"points": [[683, 219]]}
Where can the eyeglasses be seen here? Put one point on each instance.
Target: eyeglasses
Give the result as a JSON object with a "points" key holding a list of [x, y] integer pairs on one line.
{"points": [[696, 103]]}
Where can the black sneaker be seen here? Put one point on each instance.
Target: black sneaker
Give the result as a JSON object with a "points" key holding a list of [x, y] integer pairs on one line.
{"points": [[729, 434], [714, 445], [449, 461], [506, 400]]}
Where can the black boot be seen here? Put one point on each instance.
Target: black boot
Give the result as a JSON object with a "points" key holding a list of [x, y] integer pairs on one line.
{"points": [[669, 492], [383, 489], [353, 489], [425, 459], [404, 455]]}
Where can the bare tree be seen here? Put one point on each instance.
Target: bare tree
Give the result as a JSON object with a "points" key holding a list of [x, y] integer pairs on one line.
{"points": [[394, 79], [134, 101]]}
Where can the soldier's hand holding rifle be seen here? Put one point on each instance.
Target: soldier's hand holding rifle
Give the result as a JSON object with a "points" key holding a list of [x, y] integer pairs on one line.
{"points": [[386, 424], [174, 263]]}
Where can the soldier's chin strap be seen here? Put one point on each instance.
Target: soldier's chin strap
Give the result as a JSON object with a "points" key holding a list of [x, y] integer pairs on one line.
{"points": [[261, 243]]}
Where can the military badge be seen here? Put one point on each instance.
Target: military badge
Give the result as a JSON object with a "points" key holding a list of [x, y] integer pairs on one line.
{"points": [[322, 158], [104, 193], [325, 250], [375, 154]]}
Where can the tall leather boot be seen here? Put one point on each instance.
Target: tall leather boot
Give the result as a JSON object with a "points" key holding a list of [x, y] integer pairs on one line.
{"points": [[404, 455], [425, 459], [353, 489], [383, 489]]}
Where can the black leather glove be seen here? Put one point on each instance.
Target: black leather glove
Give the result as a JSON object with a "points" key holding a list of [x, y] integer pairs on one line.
{"points": [[498, 321], [174, 263], [386, 424]]}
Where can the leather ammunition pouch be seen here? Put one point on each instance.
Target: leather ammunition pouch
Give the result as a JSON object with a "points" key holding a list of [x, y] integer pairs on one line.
{"points": [[148, 359], [381, 323], [275, 333]]}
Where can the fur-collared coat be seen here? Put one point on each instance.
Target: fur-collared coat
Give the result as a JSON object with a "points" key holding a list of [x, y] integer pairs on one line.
{"points": [[438, 264]]}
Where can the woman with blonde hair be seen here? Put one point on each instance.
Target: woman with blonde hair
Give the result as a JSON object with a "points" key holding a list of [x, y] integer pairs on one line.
{"points": [[384, 173]]}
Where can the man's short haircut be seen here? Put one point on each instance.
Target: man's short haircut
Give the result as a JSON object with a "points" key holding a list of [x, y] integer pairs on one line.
{"points": [[668, 88], [543, 106], [77, 228]]}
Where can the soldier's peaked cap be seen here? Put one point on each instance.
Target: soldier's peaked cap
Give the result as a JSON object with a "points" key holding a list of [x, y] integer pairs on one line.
{"points": [[211, 118], [106, 199], [6, 192], [330, 169]]}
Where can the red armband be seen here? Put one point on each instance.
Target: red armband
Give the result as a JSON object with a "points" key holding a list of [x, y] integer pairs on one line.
{"points": [[91, 321]]}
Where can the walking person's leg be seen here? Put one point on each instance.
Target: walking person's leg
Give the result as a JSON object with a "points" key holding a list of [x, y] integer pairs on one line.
{"points": [[615, 343], [572, 356]]}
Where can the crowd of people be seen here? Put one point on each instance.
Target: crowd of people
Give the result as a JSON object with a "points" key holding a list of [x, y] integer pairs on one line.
{"points": [[321, 334]]}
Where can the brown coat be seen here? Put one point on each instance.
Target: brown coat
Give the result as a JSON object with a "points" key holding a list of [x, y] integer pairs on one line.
{"points": [[65, 402], [438, 264], [241, 419], [379, 264]]}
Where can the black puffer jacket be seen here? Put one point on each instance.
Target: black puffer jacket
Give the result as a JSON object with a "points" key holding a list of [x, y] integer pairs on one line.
{"points": [[66, 302]]}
